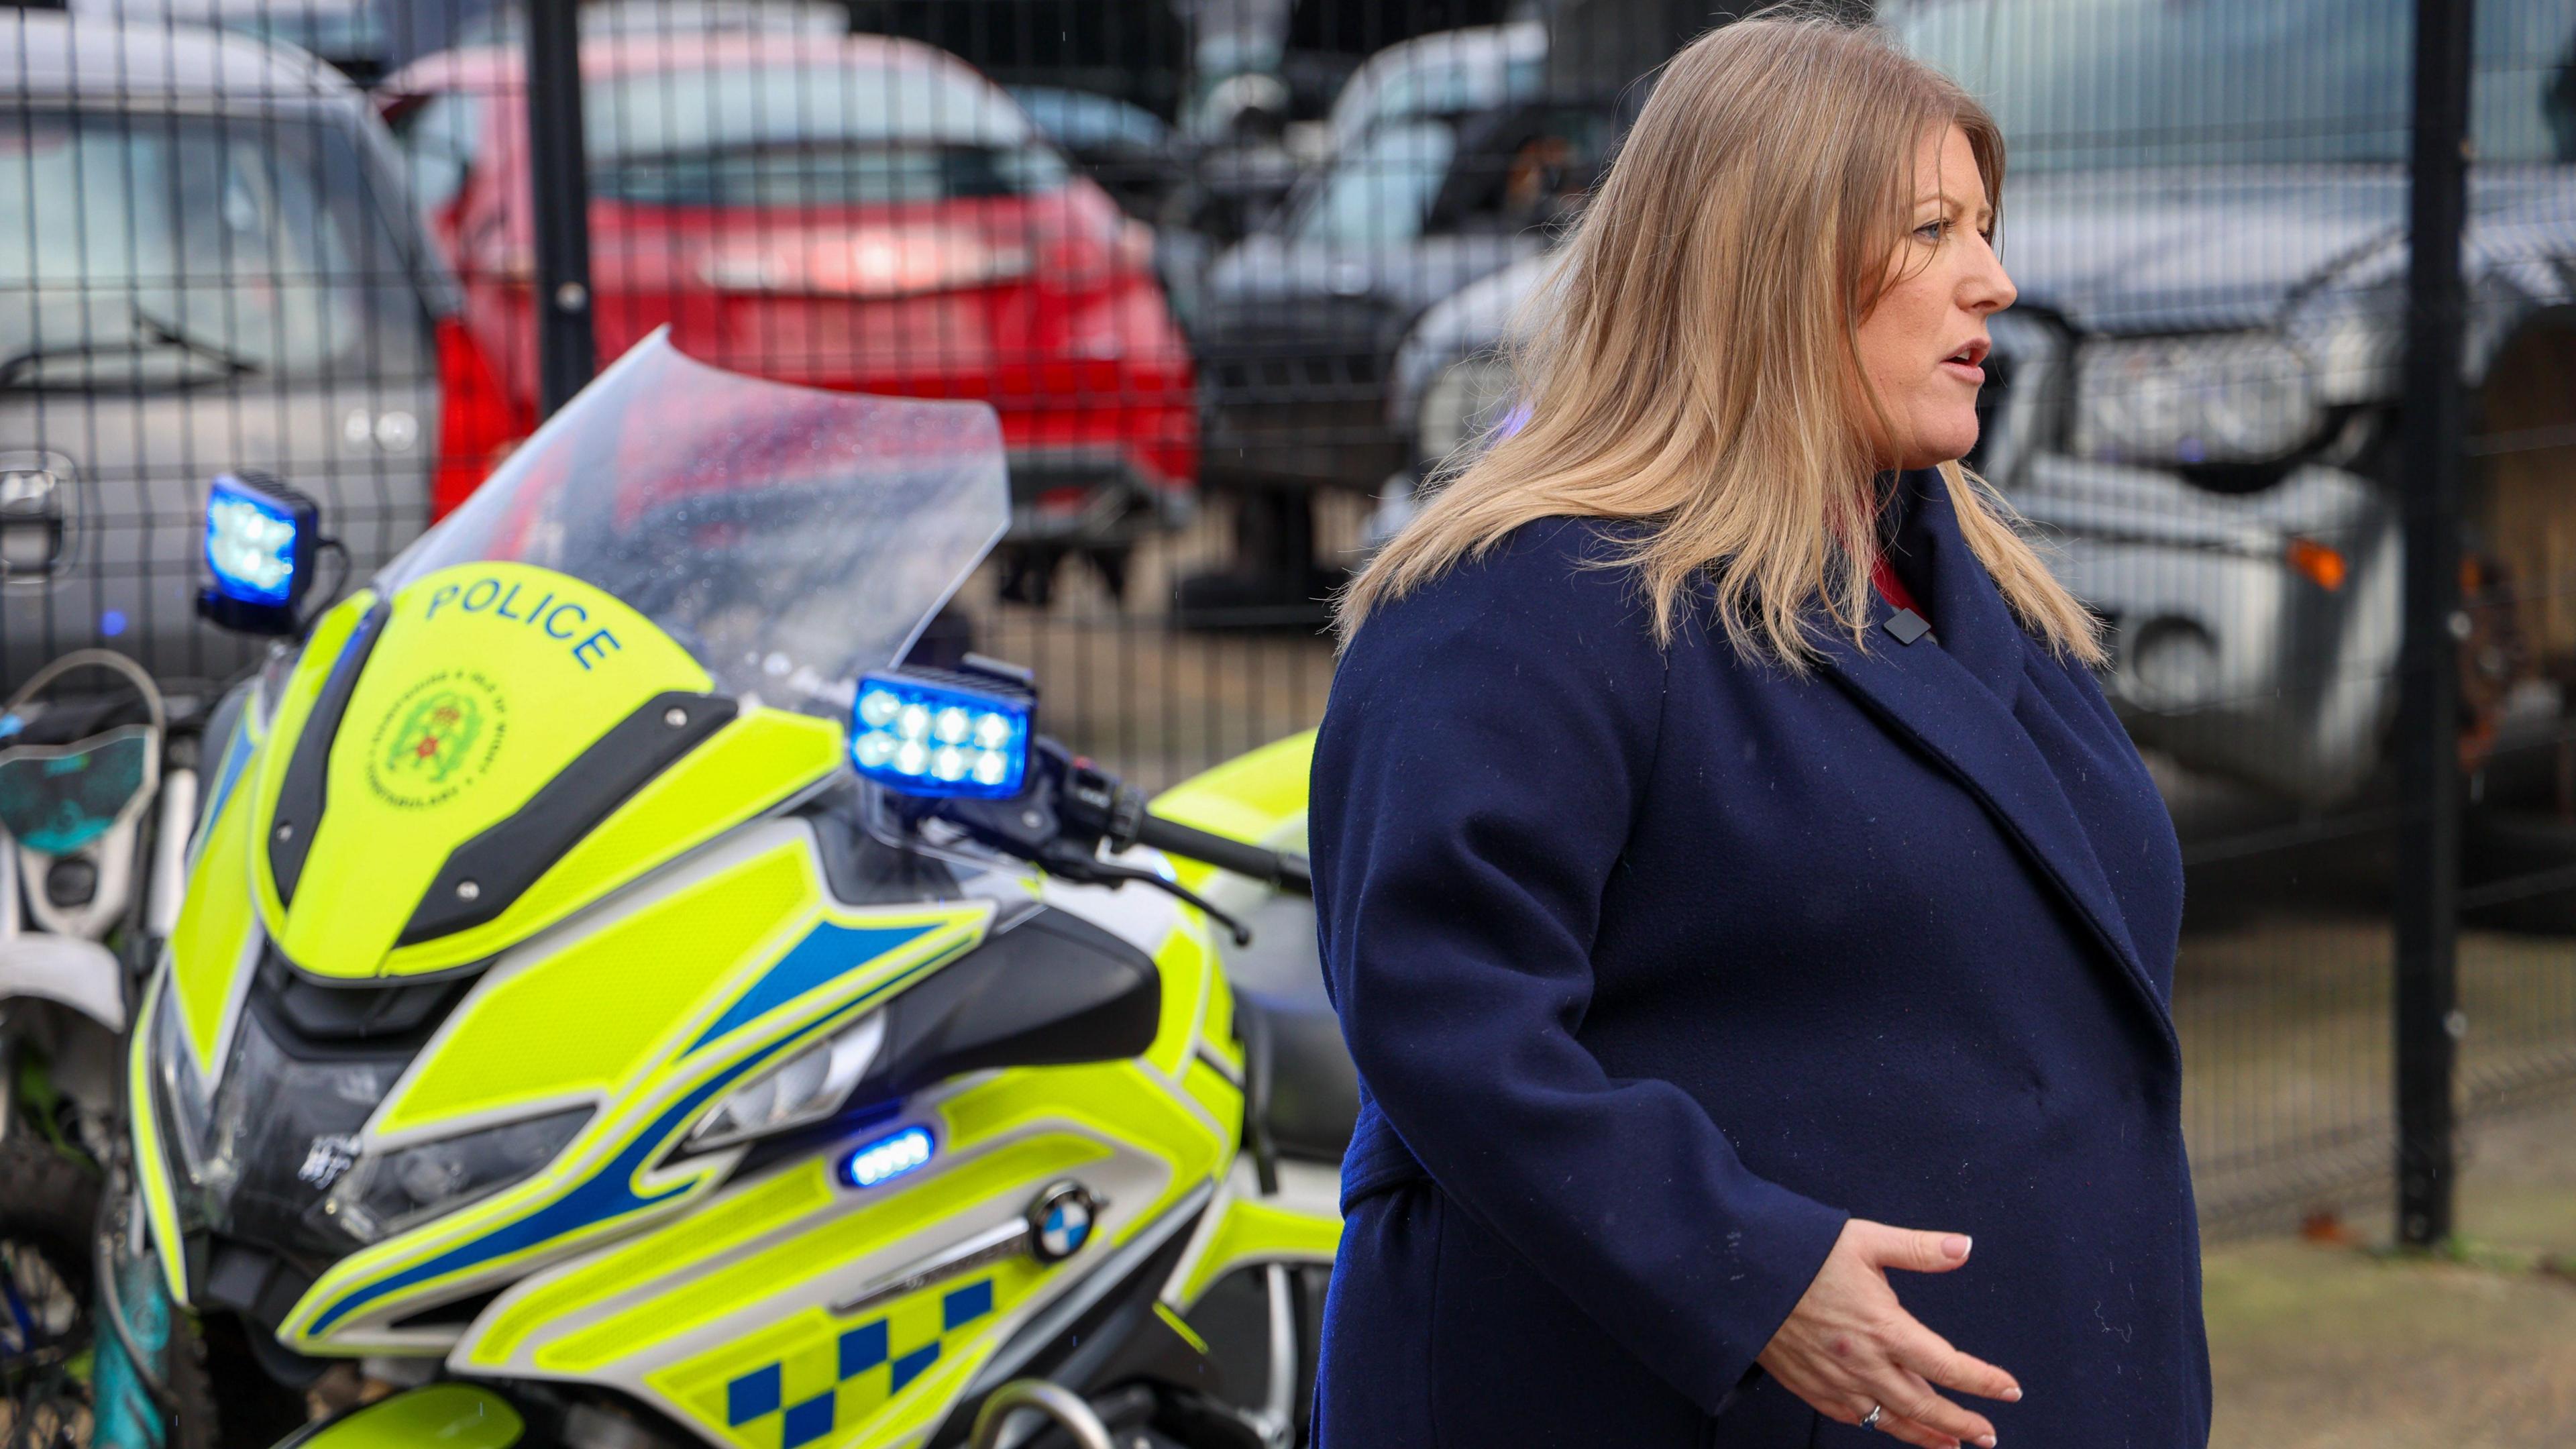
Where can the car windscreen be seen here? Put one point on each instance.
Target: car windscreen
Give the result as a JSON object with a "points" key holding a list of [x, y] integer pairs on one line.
{"points": [[159, 250], [1379, 193], [810, 135], [2081, 84], [1445, 73]]}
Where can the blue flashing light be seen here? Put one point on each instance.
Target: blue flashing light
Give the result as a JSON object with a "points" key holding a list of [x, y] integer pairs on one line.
{"points": [[919, 735], [259, 543], [887, 1157]]}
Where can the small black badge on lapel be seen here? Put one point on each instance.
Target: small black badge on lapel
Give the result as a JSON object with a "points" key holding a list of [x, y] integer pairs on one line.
{"points": [[1906, 625]]}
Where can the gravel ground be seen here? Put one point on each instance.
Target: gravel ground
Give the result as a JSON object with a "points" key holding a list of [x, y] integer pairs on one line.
{"points": [[2349, 1346]]}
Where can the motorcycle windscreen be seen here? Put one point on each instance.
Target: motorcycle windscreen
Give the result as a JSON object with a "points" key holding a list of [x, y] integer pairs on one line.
{"points": [[788, 538], [56, 799]]}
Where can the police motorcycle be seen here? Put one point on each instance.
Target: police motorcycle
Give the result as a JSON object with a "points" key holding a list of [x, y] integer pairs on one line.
{"points": [[92, 835], [618, 1003]]}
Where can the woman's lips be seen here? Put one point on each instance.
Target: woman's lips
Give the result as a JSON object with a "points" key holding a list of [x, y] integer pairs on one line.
{"points": [[1965, 361]]}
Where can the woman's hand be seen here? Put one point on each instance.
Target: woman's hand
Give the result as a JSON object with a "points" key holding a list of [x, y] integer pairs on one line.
{"points": [[1849, 1345]]}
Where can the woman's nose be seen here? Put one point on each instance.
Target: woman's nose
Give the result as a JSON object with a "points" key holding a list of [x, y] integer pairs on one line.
{"points": [[1988, 288]]}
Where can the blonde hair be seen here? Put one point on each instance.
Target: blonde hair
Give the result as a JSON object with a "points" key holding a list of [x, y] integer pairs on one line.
{"points": [[1691, 364]]}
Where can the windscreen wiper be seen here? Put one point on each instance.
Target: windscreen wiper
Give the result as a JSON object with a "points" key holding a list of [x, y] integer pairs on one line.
{"points": [[233, 363], [148, 330]]}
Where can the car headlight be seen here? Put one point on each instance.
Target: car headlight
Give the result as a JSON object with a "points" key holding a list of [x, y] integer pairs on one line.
{"points": [[2238, 397], [1469, 399], [386, 1191], [806, 1088]]}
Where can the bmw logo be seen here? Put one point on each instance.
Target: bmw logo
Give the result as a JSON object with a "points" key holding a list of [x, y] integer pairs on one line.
{"points": [[1060, 1221]]}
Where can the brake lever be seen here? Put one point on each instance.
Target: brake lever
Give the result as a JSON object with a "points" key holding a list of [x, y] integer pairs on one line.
{"points": [[1068, 861], [1060, 825]]}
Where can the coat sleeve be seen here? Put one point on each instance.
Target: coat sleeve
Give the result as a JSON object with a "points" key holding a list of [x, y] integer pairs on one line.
{"points": [[1484, 751]]}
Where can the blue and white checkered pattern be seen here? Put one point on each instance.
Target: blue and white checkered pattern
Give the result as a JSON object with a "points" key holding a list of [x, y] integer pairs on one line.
{"points": [[856, 1354]]}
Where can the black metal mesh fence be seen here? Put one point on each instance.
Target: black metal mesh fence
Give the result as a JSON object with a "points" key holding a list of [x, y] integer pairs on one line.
{"points": [[1232, 271]]}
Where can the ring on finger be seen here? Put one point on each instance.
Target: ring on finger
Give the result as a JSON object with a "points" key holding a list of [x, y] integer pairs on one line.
{"points": [[1870, 1419]]}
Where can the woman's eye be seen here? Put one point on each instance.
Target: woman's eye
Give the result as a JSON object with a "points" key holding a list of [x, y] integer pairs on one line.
{"points": [[1931, 231]]}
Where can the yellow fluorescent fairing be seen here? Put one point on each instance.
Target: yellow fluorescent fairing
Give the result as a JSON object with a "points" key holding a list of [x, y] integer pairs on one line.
{"points": [[1259, 797], [752, 1318], [160, 1204], [452, 1416], [214, 935], [484, 682], [720, 970], [781, 1309]]}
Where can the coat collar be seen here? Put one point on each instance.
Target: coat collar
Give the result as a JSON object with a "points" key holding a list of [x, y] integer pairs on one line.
{"points": [[1952, 692]]}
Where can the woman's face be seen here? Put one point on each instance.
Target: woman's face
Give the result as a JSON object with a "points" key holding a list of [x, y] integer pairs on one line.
{"points": [[1923, 343]]}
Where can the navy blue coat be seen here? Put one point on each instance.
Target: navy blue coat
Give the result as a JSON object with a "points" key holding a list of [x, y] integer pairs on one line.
{"points": [[1658, 964]]}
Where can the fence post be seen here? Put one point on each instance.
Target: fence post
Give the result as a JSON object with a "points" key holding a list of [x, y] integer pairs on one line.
{"points": [[559, 194], [2427, 740]]}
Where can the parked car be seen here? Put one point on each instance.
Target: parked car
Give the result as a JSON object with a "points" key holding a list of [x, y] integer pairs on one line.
{"points": [[1134, 51], [1445, 73], [1295, 328], [2198, 391], [849, 212], [506, 23], [214, 266], [1449, 390], [1146, 169], [1126, 148], [2196, 397]]}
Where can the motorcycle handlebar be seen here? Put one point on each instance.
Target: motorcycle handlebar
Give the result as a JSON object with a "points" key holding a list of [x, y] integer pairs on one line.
{"points": [[1279, 869]]}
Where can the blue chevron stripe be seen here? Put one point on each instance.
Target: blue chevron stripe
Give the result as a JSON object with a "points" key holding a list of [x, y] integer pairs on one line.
{"points": [[609, 1192], [827, 953]]}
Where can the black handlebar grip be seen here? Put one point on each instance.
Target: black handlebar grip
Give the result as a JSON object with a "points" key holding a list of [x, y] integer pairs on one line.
{"points": [[1285, 872]]}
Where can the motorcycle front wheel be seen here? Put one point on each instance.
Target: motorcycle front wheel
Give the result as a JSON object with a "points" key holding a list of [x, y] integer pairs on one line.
{"points": [[49, 1332]]}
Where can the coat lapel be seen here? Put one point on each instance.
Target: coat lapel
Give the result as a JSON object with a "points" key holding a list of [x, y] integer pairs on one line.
{"points": [[1952, 692]]}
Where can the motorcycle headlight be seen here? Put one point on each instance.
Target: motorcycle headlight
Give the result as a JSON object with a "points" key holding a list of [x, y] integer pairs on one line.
{"points": [[1469, 399], [2240, 397], [386, 1191], [187, 1101], [806, 1088], [259, 1149]]}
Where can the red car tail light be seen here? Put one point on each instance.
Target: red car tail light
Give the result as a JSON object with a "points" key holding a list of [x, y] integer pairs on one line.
{"points": [[477, 426], [1079, 252], [872, 261]]}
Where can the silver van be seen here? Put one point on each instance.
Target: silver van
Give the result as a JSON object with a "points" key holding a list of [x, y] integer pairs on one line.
{"points": [[208, 263]]}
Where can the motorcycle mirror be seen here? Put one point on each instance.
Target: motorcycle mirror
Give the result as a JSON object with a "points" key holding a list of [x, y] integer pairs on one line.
{"points": [[260, 537]]}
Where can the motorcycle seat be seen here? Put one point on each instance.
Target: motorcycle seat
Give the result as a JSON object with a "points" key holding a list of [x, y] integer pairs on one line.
{"points": [[1301, 1094]]}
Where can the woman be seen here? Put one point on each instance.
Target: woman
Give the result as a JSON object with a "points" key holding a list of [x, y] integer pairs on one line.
{"points": [[1712, 938]]}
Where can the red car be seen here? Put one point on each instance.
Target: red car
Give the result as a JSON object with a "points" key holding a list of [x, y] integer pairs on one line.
{"points": [[852, 212]]}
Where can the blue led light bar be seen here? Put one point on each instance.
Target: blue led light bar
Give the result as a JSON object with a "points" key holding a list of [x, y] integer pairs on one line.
{"points": [[920, 735], [259, 543], [887, 1157]]}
